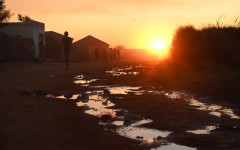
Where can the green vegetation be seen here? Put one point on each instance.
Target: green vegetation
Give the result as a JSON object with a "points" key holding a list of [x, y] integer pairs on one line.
{"points": [[213, 46]]}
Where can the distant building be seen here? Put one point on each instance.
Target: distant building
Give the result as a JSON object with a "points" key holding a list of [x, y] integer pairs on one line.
{"points": [[90, 48], [26, 30], [53, 48]]}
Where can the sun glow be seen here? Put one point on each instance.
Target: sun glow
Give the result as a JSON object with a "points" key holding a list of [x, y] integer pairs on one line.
{"points": [[155, 41], [159, 48], [158, 45]]}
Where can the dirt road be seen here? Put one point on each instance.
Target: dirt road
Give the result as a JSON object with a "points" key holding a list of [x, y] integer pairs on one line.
{"points": [[37, 122]]}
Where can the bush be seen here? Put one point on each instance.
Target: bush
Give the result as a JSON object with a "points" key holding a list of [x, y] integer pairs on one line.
{"points": [[209, 46]]}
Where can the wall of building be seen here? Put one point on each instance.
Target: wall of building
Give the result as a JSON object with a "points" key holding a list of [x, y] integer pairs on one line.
{"points": [[31, 30], [53, 49], [82, 52], [16, 48], [38, 33]]}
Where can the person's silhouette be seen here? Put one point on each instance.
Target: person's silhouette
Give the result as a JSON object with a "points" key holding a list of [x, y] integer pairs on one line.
{"points": [[67, 47]]}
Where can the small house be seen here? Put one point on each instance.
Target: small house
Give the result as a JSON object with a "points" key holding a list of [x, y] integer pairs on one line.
{"points": [[16, 48], [90, 48], [27, 31], [54, 47]]}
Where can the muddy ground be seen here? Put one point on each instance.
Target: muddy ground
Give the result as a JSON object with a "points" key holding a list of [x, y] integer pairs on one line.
{"points": [[36, 122]]}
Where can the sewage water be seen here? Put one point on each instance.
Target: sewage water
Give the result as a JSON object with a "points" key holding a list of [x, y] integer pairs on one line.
{"points": [[84, 82], [144, 133], [173, 146], [122, 89], [99, 103], [206, 130], [213, 109], [123, 71]]}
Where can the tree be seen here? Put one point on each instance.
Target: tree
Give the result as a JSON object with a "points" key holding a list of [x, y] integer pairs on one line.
{"points": [[24, 18], [5, 14]]}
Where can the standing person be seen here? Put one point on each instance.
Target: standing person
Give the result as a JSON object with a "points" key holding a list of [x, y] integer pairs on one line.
{"points": [[67, 47]]}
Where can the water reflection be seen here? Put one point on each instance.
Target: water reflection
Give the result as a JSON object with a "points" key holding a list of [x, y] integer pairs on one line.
{"points": [[122, 89], [96, 104], [83, 82], [73, 97], [123, 71], [134, 130], [206, 130], [213, 109], [99, 104], [141, 133], [173, 146]]}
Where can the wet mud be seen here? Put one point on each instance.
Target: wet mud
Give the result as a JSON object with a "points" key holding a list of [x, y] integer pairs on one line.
{"points": [[156, 117]]}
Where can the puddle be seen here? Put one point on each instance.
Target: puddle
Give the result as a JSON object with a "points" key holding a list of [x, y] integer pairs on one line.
{"points": [[141, 122], [83, 82], [102, 86], [215, 110], [134, 130], [174, 95], [121, 90], [73, 97], [218, 114], [123, 71], [124, 90], [140, 133], [206, 130], [99, 105], [173, 146], [96, 105]]}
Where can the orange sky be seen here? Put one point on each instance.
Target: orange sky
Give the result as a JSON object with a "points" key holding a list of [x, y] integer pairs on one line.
{"points": [[132, 23]]}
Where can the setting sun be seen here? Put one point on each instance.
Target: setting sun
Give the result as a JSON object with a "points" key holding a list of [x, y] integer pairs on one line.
{"points": [[158, 45], [154, 40], [159, 48]]}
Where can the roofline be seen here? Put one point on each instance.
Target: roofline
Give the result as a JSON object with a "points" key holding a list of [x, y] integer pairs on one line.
{"points": [[32, 21], [57, 33], [94, 38]]}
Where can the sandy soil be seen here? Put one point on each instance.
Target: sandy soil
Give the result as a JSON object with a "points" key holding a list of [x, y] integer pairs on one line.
{"points": [[32, 122]]}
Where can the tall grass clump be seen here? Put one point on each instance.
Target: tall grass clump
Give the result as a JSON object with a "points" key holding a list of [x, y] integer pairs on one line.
{"points": [[211, 46]]}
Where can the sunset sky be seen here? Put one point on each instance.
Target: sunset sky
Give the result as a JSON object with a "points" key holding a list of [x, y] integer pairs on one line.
{"points": [[132, 23]]}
